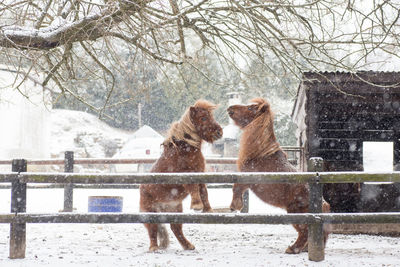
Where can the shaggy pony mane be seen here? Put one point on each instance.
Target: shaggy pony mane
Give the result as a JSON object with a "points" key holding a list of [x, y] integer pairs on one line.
{"points": [[258, 138], [183, 128]]}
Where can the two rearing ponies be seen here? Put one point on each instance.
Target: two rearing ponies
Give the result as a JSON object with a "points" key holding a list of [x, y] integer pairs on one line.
{"points": [[259, 152]]}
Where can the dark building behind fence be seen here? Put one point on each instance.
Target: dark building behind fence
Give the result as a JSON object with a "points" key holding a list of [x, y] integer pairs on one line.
{"points": [[335, 113]]}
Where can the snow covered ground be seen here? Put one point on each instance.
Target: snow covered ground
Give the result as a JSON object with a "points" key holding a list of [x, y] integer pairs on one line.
{"points": [[216, 245]]}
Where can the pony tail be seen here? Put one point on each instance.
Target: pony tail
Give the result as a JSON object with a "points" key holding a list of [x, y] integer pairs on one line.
{"points": [[162, 235]]}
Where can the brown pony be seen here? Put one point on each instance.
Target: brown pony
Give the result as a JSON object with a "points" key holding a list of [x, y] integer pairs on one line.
{"points": [[182, 153], [260, 152]]}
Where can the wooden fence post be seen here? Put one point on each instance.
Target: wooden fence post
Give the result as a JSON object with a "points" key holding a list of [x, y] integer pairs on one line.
{"points": [[68, 188], [316, 246], [18, 204], [246, 201]]}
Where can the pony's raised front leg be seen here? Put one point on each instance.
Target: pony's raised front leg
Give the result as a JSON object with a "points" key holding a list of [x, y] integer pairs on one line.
{"points": [[193, 189], [177, 229], [204, 198], [152, 230], [237, 198]]}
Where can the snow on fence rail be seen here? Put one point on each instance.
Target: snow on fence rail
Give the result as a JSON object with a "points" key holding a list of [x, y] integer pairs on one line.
{"points": [[315, 218], [69, 157], [111, 161], [205, 177]]}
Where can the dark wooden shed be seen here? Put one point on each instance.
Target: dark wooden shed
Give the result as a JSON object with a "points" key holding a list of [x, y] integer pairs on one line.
{"points": [[335, 113]]}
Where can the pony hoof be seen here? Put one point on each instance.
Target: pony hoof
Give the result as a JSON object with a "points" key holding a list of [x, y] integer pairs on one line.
{"points": [[154, 249], [189, 247], [291, 250], [236, 208], [197, 206], [208, 210]]}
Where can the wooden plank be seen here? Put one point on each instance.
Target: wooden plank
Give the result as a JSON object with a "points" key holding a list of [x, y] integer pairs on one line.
{"points": [[329, 97], [18, 205], [203, 218], [143, 217], [343, 165], [352, 144], [396, 150], [17, 240], [357, 118], [338, 154], [316, 246], [100, 186], [124, 161], [346, 77], [340, 85], [68, 188], [311, 120], [365, 135], [195, 178], [159, 178], [358, 177], [361, 123], [387, 229]]}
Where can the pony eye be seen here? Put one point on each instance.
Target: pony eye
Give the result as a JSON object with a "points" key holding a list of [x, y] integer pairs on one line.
{"points": [[249, 108], [203, 118]]}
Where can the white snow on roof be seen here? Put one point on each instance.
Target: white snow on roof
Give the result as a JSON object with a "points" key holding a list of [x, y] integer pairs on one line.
{"points": [[146, 132], [144, 142]]}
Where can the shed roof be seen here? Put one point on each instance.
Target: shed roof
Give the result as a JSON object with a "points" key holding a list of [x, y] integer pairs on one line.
{"points": [[373, 79]]}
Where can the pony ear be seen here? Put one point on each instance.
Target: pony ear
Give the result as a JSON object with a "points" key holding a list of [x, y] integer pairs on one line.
{"points": [[264, 108], [193, 112]]}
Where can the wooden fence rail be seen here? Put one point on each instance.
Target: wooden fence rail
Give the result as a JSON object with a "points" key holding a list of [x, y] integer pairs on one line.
{"points": [[315, 219], [69, 155], [195, 178], [69, 161], [202, 218]]}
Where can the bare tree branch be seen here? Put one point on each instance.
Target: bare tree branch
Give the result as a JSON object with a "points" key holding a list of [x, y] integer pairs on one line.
{"points": [[52, 36]]}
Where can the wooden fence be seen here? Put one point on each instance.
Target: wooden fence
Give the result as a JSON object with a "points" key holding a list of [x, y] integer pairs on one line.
{"points": [[296, 156], [19, 179]]}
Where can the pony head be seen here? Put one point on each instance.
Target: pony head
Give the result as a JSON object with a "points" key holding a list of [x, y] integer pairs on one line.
{"points": [[256, 121], [202, 118], [243, 115], [195, 125]]}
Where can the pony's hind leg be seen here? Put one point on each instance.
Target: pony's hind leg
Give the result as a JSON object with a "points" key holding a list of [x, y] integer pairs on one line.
{"points": [[193, 189], [204, 198], [237, 197], [177, 230], [300, 205], [152, 229], [300, 245], [326, 208]]}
